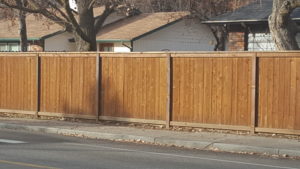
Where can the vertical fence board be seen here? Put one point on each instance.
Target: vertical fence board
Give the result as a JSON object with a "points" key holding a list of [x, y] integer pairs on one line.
{"points": [[176, 89], [279, 92], [135, 86], [207, 91], [297, 116], [18, 81], [293, 69], [234, 89], [68, 84], [198, 89], [287, 88], [227, 94], [270, 91], [276, 92], [219, 84]]}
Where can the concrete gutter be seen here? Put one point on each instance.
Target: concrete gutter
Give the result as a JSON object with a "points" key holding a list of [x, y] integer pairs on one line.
{"points": [[163, 140]]}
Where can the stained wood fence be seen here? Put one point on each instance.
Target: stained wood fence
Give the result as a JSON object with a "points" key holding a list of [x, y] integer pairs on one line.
{"points": [[257, 92]]}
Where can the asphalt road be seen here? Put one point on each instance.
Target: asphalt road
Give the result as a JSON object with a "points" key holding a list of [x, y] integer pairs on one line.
{"points": [[35, 150]]}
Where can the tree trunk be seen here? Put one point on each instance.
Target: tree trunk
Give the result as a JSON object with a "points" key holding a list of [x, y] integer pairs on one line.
{"points": [[220, 35], [22, 26], [86, 23], [283, 29]]}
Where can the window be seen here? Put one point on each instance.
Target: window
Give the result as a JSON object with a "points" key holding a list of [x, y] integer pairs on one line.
{"points": [[106, 47], [13, 47], [260, 42], [3, 47], [9, 47]]}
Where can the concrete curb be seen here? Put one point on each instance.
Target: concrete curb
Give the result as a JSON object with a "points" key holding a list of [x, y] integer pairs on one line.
{"points": [[202, 145]]}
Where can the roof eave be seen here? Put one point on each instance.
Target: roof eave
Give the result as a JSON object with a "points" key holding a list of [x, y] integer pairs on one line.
{"points": [[240, 21], [112, 40], [233, 21], [17, 39]]}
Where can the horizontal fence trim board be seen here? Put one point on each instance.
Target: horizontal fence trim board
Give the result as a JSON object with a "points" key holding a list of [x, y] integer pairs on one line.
{"points": [[134, 55], [27, 112], [278, 131], [17, 55], [278, 54], [133, 120], [60, 53], [67, 56], [212, 55], [109, 53], [211, 126], [89, 117]]}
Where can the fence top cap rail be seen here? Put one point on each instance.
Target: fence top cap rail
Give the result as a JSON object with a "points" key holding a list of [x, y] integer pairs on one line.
{"points": [[18, 54], [214, 55], [68, 54], [157, 54], [279, 54]]}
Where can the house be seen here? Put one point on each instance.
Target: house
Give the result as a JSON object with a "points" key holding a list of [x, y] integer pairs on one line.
{"points": [[39, 31], [164, 31], [248, 28]]}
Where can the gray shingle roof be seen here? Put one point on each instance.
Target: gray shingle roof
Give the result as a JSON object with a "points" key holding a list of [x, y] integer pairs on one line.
{"points": [[254, 12]]}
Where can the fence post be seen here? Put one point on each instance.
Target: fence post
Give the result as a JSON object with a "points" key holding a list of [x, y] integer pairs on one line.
{"points": [[97, 86], [169, 91], [38, 85], [254, 93]]}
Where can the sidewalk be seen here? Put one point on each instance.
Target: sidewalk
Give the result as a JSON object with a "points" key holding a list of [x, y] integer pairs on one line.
{"points": [[199, 140]]}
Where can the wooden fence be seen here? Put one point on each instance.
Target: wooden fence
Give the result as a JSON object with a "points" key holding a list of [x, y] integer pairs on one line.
{"points": [[18, 83], [279, 92], [212, 89], [256, 92]]}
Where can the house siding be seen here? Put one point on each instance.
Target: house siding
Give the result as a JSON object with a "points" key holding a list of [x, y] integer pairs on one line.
{"points": [[60, 43], [119, 47], [263, 42], [185, 35]]}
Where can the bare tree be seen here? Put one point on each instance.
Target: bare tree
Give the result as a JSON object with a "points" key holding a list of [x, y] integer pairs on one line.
{"points": [[82, 23], [282, 27], [22, 25]]}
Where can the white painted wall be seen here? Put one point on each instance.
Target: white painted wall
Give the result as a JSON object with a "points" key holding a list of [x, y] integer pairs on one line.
{"points": [[263, 42], [60, 43], [119, 47], [185, 35]]}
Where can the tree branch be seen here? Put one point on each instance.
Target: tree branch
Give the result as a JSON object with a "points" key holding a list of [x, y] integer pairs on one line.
{"points": [[25, 9], [60, 11], [288, 6], [109, 8], [74, 22], [41, 10]]}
